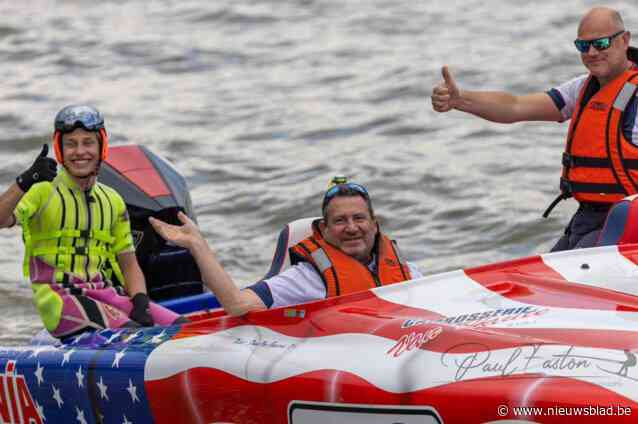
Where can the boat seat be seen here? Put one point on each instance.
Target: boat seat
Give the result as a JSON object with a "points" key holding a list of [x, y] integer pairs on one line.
{"points": [[621, 224], [291, 234]]}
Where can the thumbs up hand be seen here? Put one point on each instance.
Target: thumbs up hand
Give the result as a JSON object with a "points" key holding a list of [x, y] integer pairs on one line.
{"points": [[446, 95], [43, 169]]}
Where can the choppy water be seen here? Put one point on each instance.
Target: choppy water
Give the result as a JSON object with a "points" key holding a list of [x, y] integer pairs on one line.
{"points": [[259, 103]]}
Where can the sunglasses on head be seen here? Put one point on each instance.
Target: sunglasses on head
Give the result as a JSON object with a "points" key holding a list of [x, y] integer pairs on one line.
{"points": [[342, 188], [599, 44]]}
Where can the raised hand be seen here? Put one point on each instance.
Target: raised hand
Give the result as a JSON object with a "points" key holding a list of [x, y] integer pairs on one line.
{"points": [[186, 235], [43, 169], [445, 96]]}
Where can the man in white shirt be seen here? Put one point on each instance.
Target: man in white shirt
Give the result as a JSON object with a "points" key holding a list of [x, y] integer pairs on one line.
{"points": [[600, 162], [346, 253]]}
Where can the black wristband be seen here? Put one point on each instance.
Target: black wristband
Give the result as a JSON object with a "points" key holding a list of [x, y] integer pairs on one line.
{"points": [[140, 300]]}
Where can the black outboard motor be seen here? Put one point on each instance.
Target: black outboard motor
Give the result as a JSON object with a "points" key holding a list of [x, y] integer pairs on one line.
{"points": [[150, 186]]}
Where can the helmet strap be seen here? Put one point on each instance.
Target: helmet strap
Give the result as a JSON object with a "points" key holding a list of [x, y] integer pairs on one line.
{"points": [[57, 147]]}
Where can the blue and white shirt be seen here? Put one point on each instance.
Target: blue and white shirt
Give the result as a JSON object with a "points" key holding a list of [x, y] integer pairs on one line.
{"points": [[299, 284]]}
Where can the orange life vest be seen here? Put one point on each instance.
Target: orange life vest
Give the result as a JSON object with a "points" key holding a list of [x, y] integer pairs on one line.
{"points": [[341, 273], [599, 163]]}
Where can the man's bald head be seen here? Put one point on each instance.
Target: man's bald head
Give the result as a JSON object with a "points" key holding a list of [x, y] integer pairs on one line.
{"points": [[603, 44], [599, 18]]}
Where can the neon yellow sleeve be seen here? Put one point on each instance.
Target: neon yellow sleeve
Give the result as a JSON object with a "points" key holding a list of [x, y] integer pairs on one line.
{"points": [[32, 200], [122, 229]]}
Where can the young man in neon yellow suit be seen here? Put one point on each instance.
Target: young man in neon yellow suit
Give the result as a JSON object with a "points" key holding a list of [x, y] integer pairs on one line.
{"points": [[77, 235]]}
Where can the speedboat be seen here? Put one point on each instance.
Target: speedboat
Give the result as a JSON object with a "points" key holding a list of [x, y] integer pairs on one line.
{"points": [[549, 338]]}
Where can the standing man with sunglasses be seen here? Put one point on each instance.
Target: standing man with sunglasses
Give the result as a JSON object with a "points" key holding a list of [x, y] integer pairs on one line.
{"points": [[600, 162], [77, 235], [346, 253]]}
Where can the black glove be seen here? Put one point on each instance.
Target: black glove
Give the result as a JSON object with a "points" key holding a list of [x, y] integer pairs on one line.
{"points": [[43, 169], [141, 312]]}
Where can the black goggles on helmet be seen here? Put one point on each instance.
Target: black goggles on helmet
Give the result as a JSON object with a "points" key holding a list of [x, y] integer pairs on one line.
{"points": [[346, 188], [73, 117]]}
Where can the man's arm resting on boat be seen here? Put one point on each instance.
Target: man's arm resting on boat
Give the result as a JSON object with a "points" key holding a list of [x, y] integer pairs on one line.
{"points": [[234, 301], [8, 202]]}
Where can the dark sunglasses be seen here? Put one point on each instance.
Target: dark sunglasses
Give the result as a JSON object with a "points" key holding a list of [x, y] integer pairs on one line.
{"points": [[73, 117], [599, 44], [342, 188]]}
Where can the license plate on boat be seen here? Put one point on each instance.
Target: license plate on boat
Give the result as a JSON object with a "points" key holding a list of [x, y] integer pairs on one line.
{"points": [[339, 413]]}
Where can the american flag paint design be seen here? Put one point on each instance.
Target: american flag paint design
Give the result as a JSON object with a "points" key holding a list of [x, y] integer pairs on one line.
{"points": [[96, 378], [556, 329]]}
